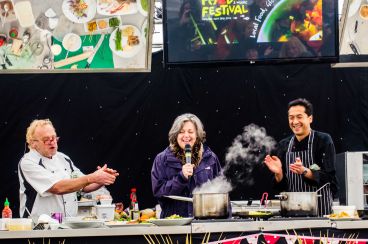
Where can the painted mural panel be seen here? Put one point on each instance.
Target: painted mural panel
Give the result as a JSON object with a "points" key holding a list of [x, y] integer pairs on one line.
{"points": [[75, 35]]}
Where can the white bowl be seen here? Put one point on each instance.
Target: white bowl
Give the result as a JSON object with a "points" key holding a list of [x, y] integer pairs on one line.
{"points": [[72, 42], [350, 210]]}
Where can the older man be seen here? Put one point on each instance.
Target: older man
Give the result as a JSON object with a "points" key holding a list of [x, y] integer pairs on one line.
{"points": [[48, 179]]}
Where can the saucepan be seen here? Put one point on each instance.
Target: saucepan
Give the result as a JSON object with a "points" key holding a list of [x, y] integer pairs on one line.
{"points": [[295, 204], [208, 205]]}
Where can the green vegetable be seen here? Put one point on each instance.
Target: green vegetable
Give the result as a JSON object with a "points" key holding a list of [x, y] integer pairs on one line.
{"points": [[174, 216], [118, 40], [144, 4], [114, 22]]}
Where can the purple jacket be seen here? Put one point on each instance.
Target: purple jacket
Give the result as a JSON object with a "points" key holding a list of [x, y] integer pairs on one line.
{"points": [[168, 179]]}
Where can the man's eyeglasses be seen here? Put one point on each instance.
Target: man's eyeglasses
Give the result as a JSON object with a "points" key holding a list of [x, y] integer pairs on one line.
{"points": [[49, 140]]}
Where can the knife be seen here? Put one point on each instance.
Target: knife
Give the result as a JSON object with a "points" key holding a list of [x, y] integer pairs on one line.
{"points": [[95, 49]]}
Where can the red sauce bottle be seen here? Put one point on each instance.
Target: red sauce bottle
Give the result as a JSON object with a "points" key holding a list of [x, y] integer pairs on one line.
{"points": [[7, 212]]}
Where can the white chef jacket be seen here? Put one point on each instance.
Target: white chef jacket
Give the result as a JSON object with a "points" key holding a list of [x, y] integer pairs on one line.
{"points": [[37, 174]]}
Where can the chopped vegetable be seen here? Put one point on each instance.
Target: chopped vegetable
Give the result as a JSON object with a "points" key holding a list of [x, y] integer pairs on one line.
{"points": [[144, 4], [92, 26], [78, 8], [128, 31], [102, 24], [114, 22], [122, 216], [133, 40], [174, 216], [89, 218], [118, 40]]}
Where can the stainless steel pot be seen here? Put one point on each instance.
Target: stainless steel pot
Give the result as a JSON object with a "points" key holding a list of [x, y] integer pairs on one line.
{"points": [[298, 203], [208, 205], [211, 205]]}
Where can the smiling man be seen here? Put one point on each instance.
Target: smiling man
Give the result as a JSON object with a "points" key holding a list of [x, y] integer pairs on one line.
{"points": [[305, 161], [49, 179]]}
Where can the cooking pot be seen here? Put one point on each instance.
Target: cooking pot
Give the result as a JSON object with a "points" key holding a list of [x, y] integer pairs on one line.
{"points": [[295, 204], [208, 205], [298, 204]]}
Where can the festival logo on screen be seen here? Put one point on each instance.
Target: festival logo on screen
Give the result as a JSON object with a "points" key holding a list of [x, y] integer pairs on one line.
{"points": [[224, 9], [263, 8]]}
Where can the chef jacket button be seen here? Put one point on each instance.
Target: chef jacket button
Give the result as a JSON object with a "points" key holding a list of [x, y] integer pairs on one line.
{"points": [[65, 169], [52, 171]]}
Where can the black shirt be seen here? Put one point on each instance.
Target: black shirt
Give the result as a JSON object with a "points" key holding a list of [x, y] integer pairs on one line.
{"points": [[323, 155]]}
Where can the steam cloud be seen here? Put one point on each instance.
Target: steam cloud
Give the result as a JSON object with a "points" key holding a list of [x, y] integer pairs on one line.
{"points": [[217, 185], [247, 152]]}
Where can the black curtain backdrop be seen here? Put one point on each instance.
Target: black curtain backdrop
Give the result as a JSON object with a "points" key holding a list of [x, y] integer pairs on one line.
{"points": [[123, 119]]}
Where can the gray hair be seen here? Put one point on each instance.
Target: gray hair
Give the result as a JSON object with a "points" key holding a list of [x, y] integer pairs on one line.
{"points": [[179, 123], [32, 128]]}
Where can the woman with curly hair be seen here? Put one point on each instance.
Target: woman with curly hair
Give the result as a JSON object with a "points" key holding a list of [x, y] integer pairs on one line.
{"points": [[171, 175]]}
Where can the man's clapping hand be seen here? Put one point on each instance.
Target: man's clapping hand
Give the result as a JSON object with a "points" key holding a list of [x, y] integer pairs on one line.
{"points": [[109, 170], [103, 176]]}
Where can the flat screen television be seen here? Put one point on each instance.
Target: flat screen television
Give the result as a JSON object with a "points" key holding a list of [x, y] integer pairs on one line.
{"points": [[216, 31]]}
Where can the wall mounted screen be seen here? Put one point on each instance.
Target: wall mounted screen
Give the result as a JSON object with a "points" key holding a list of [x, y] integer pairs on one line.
{"points": [[353, 31], [202, 31]]}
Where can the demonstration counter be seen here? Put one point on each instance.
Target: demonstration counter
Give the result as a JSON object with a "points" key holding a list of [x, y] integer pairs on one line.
{"points": [[197, 230]]}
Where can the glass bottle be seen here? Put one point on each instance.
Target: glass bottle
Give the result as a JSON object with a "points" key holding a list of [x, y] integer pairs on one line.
{"points": [[133, 207]]}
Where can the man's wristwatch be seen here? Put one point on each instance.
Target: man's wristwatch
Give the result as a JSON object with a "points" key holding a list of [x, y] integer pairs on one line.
{"points": [[305, 171]]}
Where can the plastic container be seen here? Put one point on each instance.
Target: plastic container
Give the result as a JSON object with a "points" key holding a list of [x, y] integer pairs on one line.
{"points": [[24, 13], [107, 201], [158, 211], [105, 212], [19, 224], [342, 210], [3, 224]]}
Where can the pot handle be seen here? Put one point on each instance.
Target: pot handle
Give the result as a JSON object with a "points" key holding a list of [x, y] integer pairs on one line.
{"points": [[264, 199], [282, 197], [325, 185], [180, 198]]}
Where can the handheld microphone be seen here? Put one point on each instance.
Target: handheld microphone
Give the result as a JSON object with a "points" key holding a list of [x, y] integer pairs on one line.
{"points": [[188, 154]]}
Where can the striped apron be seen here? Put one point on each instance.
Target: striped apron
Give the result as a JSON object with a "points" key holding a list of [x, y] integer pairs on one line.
{"points": [[296, 181]]}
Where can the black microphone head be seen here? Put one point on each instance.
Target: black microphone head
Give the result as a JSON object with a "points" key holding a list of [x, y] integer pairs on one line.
{"points": [[187, 148], [188, 154]]}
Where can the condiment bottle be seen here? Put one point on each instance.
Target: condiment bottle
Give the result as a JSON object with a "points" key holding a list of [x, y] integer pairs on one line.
{"points": [[7, 212], [134, 208], [13, 33]]}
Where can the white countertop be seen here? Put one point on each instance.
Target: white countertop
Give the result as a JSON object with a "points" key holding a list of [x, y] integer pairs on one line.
{"points": [[196, 227]]}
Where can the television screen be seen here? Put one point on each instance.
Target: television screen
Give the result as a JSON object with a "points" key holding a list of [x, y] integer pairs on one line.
{"points": [[353, 37], [202, 31]]}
